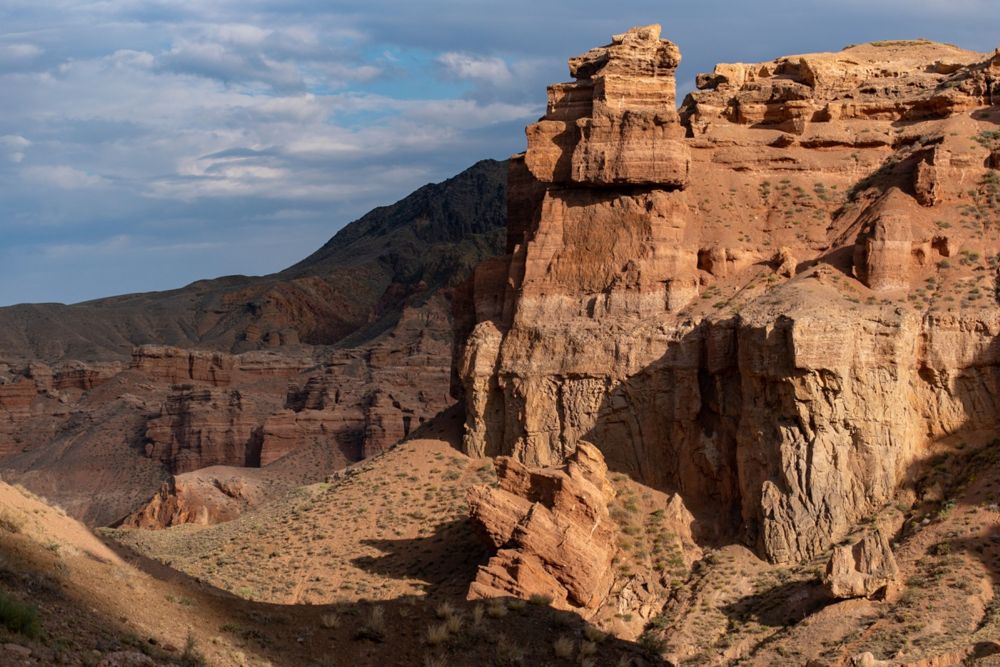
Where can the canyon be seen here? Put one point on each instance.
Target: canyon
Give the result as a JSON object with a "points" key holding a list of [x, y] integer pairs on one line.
{"points": [[102, 403], [719, 379]]}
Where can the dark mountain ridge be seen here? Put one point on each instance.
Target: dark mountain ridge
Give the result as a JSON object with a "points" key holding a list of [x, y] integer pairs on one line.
{"points": [[355, 285]]}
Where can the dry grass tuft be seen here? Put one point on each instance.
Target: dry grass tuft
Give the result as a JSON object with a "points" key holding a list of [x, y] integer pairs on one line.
{"points": [[563, 648]]}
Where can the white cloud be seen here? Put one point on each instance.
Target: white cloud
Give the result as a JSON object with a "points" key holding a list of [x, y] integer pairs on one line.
{"points": [[243, 34], [13, 146], [19, 52], [132, 58], [466, 66], [64, 177]]}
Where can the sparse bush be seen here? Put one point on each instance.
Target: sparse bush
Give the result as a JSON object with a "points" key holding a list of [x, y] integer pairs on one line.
{"points": [[10, 522], [192, 657], [540, 600], [517, 605], [444, 610], [330, 621], [19, 616], [496, 608], [563, 648], [652, 642], [438, 634], [940, 549], [594, 634], [508, 654], [373, 628]]}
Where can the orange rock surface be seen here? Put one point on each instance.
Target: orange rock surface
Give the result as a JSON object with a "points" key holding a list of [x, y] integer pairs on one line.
{"points": [[771, 302]]}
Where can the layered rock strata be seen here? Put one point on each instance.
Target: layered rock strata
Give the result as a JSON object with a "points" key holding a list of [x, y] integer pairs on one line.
{"points": [[769, 303], [552, 531], [105, 439]]}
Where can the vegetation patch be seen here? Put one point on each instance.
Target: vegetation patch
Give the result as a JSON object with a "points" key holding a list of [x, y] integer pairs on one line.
{"points": [[19, 617]]}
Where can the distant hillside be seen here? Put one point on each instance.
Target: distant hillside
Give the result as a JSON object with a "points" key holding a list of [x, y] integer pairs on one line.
{"points": [[352, 286]]}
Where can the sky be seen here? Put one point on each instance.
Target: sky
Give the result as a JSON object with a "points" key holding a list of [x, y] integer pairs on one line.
{"points": [[148, 144]]}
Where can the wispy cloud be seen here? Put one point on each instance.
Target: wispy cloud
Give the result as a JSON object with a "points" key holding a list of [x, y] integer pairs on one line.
{"points": [[19, 52], [64, 177], [13, 146], [479, 68]]}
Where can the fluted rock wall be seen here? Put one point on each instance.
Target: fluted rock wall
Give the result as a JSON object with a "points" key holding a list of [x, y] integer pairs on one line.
{"points": [[774, 314]]}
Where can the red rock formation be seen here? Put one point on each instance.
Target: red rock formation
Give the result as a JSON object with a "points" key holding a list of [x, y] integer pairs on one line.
{"points": [[207, 496], [773, 331], [864, 568], [552, 530], [173, 365], [16, 396], [197, 428]]}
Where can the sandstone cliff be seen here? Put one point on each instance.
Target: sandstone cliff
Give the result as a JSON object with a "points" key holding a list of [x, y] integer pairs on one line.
{"points": [[770, 302]]}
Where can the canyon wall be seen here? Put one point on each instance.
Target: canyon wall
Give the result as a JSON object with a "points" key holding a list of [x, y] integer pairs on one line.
{"points": [[769, 302], [101, 439], [301, 372]]}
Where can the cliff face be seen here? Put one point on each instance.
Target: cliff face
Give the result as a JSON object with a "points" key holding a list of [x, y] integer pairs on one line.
{"points": [[770, 302]]}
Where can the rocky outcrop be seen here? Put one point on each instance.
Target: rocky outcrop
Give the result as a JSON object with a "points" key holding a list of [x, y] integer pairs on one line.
{"points": [[884, 248], [881, 81], [865, 568], [17, 395], [207, 496], [171, 365], [552, 530], [174, 366], [778, 335], [616, 123]]}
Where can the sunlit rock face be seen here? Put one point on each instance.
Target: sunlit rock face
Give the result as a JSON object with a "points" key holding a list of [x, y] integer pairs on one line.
{"points": [[769, 301]]}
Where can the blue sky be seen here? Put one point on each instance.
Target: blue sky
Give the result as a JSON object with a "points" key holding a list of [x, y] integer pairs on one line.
{"points": [[147, 144]]}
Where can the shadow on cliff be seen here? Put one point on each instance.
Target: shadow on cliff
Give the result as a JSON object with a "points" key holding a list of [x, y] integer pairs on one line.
{"points": [[447, 425], [957, 482], [956, 508], [673, 426], [990, 115]]}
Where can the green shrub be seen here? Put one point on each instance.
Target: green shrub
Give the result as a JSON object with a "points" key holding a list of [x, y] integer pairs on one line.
{"points": [[19, 617], [192, 657]]}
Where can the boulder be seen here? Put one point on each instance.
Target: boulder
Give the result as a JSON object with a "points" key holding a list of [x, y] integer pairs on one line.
{"points": [[865, 568], [551, 529]]}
